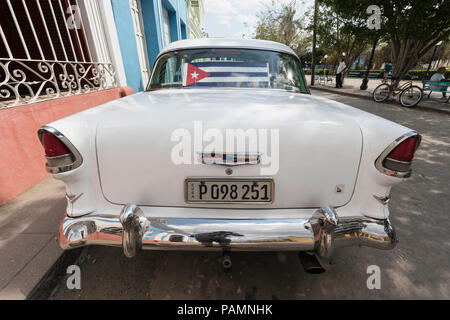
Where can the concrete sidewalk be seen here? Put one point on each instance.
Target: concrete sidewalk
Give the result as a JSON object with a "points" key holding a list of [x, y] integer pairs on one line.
{"points": [[28, 229], [351, 88]]}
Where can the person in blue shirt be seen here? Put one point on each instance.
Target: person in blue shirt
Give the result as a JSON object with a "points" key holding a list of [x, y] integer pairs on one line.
{"points": [[387, 70]]}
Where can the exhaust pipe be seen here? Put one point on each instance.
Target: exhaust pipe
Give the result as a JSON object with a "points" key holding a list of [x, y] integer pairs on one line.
{"points": [[310, 263], [226, 262], [226, 259]]}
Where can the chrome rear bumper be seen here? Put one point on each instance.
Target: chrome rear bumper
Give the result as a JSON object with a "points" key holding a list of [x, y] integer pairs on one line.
{"points": [[133, 231]]}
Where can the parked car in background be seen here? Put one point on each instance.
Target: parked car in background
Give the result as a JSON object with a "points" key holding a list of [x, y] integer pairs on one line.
{"points": [[158, 170]]}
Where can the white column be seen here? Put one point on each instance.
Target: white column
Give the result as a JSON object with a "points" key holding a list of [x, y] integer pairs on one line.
{"points": [[112, 40], [161, 27]]}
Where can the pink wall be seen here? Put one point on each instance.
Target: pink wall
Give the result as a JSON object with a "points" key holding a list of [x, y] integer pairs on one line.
{"points": [[22, 161]]}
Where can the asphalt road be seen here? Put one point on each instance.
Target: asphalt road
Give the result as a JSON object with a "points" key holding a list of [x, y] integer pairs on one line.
{"points": [[418, 268]]}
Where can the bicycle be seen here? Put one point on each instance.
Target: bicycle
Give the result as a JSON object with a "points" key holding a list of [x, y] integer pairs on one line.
{"points": [[409, 94]]}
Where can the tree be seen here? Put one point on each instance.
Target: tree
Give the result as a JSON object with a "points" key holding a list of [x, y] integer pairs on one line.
{"points": [[442, 55], [382, 55], [307, 56], [412, 27], [335, 38], [279, 22]]}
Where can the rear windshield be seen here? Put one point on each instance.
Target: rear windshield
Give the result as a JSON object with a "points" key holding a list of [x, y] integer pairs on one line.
{"points": [[228, 68]]}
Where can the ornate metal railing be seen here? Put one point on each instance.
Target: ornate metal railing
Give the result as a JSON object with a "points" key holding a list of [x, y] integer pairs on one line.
{"points": [[29, 81], [52, 49]]}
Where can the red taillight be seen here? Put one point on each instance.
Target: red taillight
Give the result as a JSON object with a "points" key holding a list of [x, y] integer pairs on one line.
{"points": [[405, 150], [53, 146], [61, 155], [397, 158]]}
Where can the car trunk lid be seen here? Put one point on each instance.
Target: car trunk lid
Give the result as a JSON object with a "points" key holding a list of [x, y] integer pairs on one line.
{"points": [[319, 146]]}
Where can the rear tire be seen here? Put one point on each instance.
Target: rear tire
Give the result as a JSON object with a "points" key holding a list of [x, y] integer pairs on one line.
{"points": [[381, 93], [411, 96]]}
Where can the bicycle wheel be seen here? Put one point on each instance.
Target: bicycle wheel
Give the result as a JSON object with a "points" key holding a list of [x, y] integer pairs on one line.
{"points": [[410, 96], [381, 93]]}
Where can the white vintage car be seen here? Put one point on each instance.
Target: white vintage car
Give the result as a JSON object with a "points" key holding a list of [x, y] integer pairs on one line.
{"points": [[228, 150]]}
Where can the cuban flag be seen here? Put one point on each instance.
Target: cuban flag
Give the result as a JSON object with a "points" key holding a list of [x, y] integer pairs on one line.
{"points": [[226, 74]]}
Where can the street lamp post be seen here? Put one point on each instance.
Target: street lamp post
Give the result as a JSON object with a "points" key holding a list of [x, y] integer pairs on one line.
{"points": [[316, 8], [432, 57], [366, 77], [325, 66]]}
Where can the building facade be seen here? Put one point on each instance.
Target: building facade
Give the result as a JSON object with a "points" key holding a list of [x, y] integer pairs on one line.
{"points": [[195, 12], [59, 57], [88, 45], [144, 27]]}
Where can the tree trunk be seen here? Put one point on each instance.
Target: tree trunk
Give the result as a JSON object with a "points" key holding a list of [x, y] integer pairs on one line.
{"points": [[338, 47], [406, 54]]}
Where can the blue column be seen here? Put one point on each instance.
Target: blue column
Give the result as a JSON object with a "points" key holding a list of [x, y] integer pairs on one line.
{"points": [[182, 14], [152, 17], [153, 33]]}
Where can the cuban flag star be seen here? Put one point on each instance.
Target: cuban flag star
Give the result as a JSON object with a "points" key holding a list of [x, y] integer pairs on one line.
{"points": [[192, 74], [226, 74]]}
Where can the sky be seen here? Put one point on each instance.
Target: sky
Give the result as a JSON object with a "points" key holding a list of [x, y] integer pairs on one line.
{"points": [[226, 18]]}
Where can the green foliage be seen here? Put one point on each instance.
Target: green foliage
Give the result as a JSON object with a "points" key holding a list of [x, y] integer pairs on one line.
{"points": [[334, 37], [401, 19], [409, 29], [412, 27], [307, 56]]}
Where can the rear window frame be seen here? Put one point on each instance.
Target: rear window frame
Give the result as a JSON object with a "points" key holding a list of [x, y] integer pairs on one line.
{"points": [[307, 91]]}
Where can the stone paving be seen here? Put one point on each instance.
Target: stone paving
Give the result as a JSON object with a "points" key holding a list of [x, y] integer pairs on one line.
{"points": [[28, 230]]}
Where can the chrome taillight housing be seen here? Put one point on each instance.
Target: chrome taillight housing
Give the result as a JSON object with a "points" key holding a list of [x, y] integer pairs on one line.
{"points": [[396, 159], [61, 155]]}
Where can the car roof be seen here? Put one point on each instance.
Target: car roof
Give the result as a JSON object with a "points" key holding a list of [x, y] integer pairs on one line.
{"points": [[227, 43]]}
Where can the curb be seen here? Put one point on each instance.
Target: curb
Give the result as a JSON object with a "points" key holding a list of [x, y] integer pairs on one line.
{"points": [[353, 95]]}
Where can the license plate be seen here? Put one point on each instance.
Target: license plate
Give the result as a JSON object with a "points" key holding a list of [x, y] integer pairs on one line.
{"points": [[229, 190]]}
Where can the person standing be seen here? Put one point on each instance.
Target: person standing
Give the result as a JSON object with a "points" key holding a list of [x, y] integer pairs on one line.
{"points": [[339, 71], [387, 70]]}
